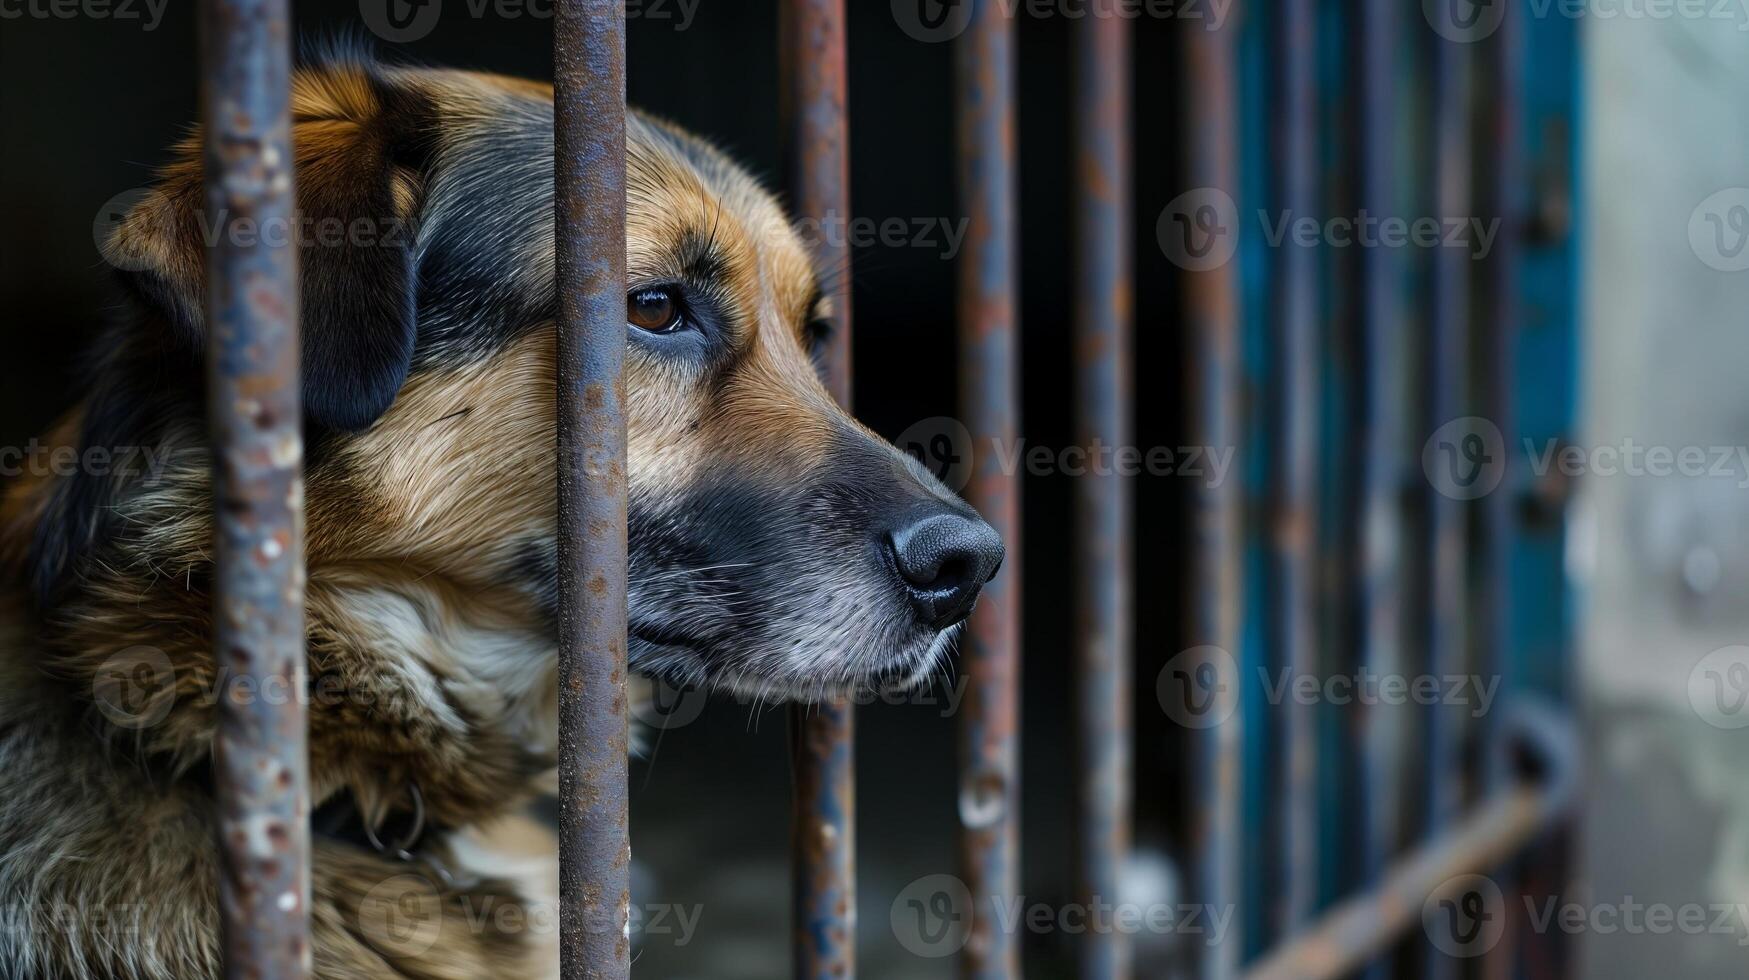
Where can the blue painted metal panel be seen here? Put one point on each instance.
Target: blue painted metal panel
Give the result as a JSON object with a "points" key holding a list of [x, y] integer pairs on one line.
{"points": [[1547, 373], [1545, 385], [1380, 359]]}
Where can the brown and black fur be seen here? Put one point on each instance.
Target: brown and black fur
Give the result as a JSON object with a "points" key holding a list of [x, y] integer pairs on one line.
{"points": [[428, 374]]}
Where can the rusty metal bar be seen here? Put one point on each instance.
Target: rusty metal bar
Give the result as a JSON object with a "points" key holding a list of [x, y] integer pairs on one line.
{"points": [[815, 109], [1294, 446], [1104, 299], [1495, 349], [1383, 415], [1445, 369], [988, 309], [589, 133], [1496, 340], [254, 407], [1351, 934], [1516, 816], [1213, 322], [822, 737], [1339, 496], [823, 841]]}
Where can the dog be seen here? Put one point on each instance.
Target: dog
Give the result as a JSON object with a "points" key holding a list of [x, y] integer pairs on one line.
{"points": [[777, 548]]}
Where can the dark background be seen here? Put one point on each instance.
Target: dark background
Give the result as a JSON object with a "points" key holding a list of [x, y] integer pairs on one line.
{"points": [[90, 106]]}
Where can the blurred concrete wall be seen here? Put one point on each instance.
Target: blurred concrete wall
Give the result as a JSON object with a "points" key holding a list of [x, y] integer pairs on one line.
{"points": [[1663, 560]]}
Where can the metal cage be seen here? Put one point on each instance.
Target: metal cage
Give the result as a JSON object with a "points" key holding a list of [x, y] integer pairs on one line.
{"points": [[1332, 550]]}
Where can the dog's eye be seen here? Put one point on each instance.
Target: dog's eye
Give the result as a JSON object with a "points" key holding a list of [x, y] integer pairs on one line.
{"points": [[815, 334], [654, 309]]}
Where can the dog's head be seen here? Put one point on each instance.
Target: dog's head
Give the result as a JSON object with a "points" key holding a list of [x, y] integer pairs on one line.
{"points": [[777, 546]]}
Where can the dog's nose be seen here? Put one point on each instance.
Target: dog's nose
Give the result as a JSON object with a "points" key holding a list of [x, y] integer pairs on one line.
{"points": [[945, 559]]}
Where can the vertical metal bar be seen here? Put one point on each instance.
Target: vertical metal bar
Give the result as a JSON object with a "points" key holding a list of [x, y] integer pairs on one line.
{"points": [[1339, 447], [1294, 446], [822, 738], [589, 131], [1104, 409], [1261, 766], [1496, 341], [1496, 344], [1550, 131], [823, 841], [1447, 357], [815, 93], [254, 406], [1545, 382], [989, 790], [1213, 307], [1382, 417]]}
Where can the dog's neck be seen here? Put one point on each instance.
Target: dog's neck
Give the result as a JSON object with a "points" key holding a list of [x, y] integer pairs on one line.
{"points": [[415, 679]]}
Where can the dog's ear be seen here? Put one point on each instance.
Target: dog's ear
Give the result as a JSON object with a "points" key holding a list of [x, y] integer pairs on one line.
{"points": [[361, 150]]}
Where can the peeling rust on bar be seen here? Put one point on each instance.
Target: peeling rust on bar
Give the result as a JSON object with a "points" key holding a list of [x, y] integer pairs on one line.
{"points": [[589, 117], [823, 842], [260, 763], [1103, 526], [988, 305], [822, 744]]}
